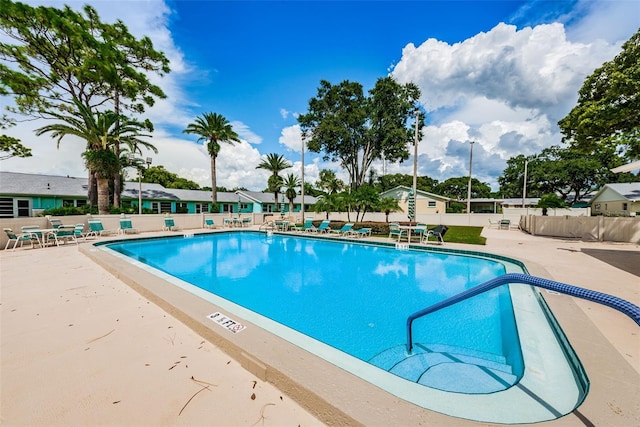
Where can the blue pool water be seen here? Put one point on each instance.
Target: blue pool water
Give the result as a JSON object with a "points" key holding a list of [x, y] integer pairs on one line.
{"points": [[350, 296]]}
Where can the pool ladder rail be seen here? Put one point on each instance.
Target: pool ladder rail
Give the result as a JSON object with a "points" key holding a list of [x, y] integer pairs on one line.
{"points": [[630, 309]]}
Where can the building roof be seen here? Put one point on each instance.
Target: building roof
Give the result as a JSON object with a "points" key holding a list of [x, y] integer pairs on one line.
{"points": [[528, 201], [16, 183], [627, 190], [627, 168], [402, 191], [260, 197], [25, 184]]}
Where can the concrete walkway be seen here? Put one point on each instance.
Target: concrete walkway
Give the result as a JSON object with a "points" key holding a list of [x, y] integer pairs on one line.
{"points": [[80, 347]]}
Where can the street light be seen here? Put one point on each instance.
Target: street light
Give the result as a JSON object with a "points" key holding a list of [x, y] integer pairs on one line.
{"points": [[524, 185], [302, 174], [469, 187], [133, 158], [415, 166]]}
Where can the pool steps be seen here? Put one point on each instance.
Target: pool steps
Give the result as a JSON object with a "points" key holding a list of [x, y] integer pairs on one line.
{"points": [[448, 368]]}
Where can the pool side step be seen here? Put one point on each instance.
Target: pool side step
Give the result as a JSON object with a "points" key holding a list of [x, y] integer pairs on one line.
{"points": [[448, 368]]}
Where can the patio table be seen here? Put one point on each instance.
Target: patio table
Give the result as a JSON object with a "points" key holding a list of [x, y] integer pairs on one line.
{"points": [[41, 233], [408, 229], [282, 225]]}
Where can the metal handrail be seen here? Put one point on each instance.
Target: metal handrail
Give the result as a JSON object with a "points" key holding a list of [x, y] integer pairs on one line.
{"points": [[630, 309]]}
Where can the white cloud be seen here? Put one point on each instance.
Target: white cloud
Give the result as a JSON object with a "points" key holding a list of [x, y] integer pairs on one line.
{"points": [[532, 68], [236, 167], [612, 21], [291, 138], [244, 132], [506, 89]]}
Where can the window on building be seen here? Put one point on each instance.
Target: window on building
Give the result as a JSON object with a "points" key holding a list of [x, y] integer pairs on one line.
{"points": [[83, 202], [23, 208], [432, 204], [198, 207], [165, 207], [155, 206], [67, 203], [181, 207], [625, 206], [6, 207]]}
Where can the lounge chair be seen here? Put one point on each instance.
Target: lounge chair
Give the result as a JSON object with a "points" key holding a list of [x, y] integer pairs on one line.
{"points": [[495, 224], [126, 225], [438, 232], [360, 233], [79, 231], [343, 230], [208, 223], [322, 228], [63, 234], [505, 224], [169, 224], [246, 221], [395, 232], [20, 238], [55, 223], [96, 229], [308, 223]]}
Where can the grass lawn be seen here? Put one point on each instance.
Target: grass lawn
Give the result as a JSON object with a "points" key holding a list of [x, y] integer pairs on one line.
{"points": [[455, 233], [464, 234]]}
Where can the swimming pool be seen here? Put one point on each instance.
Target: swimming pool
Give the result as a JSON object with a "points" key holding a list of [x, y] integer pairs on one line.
{"points": [[353, 300]]}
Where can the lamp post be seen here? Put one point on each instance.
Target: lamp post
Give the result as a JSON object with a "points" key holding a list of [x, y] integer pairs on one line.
{"points": [[415, 167], [133, 158], [524, 185], [302, 175], [469, 186]]}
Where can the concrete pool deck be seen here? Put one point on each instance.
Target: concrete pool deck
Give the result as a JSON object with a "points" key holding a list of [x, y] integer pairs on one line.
{"points": [[81, 347]]}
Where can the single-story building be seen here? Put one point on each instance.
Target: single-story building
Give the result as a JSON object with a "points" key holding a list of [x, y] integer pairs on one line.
{"points": [[618, 199], [426, 203], [24, 195]]}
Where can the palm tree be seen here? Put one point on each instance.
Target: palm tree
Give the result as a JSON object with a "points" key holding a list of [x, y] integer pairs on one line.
{"points": [[102, 132], [329, 182], [388, 205], [291, 183], [133, 144], [275, 163], [213, 128], [365, 199]]}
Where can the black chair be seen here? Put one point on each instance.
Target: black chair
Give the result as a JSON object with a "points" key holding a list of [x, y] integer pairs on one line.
{"points": [[438, 232]]}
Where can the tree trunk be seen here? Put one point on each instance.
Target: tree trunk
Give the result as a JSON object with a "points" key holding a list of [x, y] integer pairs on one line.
{"points": [[103, 196], [214, 185], [117, 181], [116, 150], [92, 190]]}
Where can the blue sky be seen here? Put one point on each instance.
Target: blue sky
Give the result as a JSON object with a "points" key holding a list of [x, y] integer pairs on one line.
{"points": [[501, 73]]}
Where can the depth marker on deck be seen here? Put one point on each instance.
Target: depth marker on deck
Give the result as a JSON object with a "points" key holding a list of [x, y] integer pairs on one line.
{"points": [[226, 322]]}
